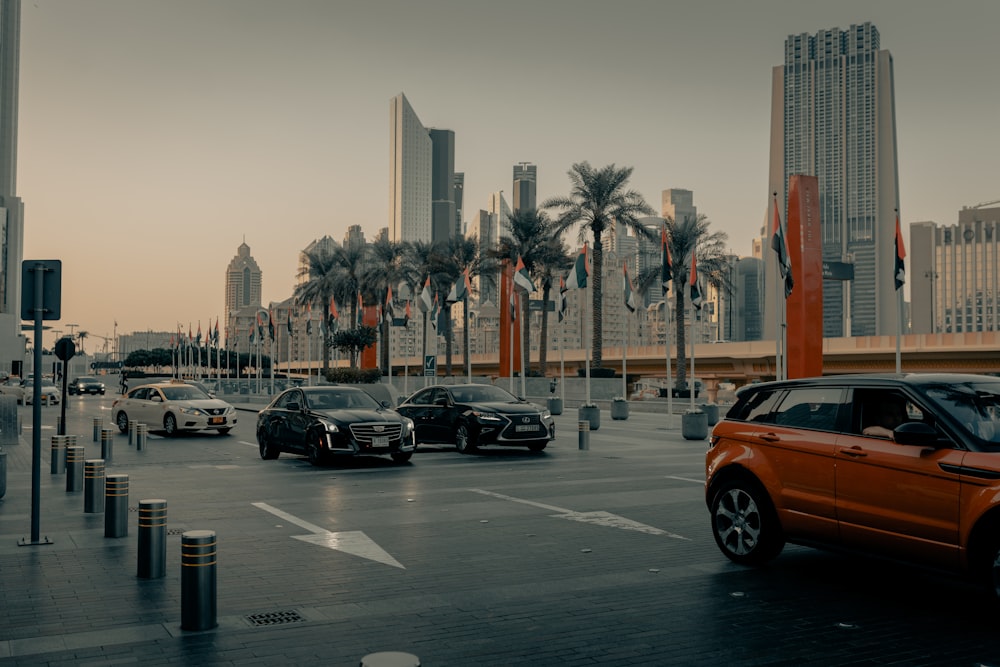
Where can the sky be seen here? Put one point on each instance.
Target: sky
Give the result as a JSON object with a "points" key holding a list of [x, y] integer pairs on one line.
{"points": [[156, 136]]}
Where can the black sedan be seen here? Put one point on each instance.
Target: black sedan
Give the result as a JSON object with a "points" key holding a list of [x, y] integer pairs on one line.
{"points": [[472, 415], [327, 422], [85, 385]]}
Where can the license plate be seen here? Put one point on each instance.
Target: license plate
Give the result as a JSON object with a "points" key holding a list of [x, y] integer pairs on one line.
{"points": [[525, 427], [216, 420], [380, 441]]}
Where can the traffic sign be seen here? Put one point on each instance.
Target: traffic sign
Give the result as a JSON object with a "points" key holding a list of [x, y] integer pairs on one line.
{"points": [[430, 365]]}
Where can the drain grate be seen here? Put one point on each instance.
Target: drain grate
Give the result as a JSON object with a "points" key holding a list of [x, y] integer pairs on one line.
{"points": [[176, 531], [275, 618]]}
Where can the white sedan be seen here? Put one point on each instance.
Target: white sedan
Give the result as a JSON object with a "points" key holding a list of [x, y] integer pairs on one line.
{"points": [[173, 407], [50, 393]]}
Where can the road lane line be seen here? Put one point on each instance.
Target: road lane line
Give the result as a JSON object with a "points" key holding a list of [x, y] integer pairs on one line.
{"points": [[686, 479]]}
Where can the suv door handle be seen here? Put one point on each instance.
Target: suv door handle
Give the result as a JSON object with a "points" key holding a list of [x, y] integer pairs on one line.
{"points": [[855, 452], [770, 437]]}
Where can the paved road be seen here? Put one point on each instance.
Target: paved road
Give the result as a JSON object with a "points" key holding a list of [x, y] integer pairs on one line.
{"points": [[570, 557]]}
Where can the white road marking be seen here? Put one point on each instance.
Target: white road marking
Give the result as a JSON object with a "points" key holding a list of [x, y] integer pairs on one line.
{"points": [[354, 542], [686, 479], [597, 518], [248, 444]]}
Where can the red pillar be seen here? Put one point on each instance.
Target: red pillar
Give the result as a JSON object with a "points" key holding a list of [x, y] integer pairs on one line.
{"points": [[369, 355], [506, 287], [804, 307]]}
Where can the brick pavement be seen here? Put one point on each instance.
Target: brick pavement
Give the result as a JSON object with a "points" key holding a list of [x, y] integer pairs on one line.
{"points": [[486, 581]]}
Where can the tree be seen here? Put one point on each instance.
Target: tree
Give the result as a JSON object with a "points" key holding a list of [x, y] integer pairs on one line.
{"points": [[458, 254], [82, 336], [684, 236], [536, 240], [354, 340], [320, 274], [384, 271], [597, 200], [421, 261]]}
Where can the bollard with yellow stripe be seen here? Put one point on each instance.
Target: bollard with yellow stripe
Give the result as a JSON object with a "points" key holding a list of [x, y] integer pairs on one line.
{"points": [[116, 506], [152, 557], [198, 580]]}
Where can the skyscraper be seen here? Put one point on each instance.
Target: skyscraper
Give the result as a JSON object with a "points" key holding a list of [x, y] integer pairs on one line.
{"points": [[525, 186], [243, 294], [422, 203], [11, 209], [833, 117]]}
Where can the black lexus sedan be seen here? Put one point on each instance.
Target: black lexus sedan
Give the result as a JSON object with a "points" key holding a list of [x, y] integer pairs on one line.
{"points": [[473, 415], [327, 422]]}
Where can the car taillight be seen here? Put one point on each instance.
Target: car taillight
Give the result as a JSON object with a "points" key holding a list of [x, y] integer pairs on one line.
{"points": [[713, 441]]}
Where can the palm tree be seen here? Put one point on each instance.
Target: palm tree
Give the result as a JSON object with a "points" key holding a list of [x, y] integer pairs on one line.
{"points": [[349, 263], [320, 272], [684, 236], [420, 261], [384, 271], [597, 200], [457, 254], [535, 239], [82, 336]]}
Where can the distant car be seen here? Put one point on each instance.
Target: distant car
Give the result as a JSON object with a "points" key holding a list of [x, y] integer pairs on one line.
{"points": [[85, 385], [473, 415], [326, 422], [173, 407], [50, 393]]}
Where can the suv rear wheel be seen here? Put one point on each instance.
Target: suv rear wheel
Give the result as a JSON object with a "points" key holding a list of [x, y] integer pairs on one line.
{"points": [[744, 523]]}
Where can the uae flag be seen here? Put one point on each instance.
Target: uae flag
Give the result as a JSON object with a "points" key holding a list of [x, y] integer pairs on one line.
{"points": [[629, 292], [781, 248], [562, 299], [309, 319], [426, 299], [577, 278], [900, 268], [435, 311], [288, 322], [270, 324], [666, 265], [695, 291], [521, 276], [331, 324], [389, 310], [460, 289], [513, 306]]}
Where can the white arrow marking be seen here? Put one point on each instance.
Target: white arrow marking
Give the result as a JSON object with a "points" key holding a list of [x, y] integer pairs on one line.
{"points": [[596, 518], [353, 542]]}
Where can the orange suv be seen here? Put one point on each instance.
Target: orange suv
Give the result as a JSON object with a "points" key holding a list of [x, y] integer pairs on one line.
{"points": [[903, 466]]}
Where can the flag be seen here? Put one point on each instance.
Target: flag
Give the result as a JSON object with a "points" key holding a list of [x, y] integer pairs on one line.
{"points": [[562, 298], [779, 246], [695, 291], [390, 312], [309, 318], [361, 311], [197, 339], [513, 304], [577, 277], [435, 310], [521, 276], [190, 337], [215, 335], [406, 317], [288, 322], [260, 328], [666, 268], [332, 316], [629, 293], [270, 324], [460, 289], [426, 300], [900, 268]]}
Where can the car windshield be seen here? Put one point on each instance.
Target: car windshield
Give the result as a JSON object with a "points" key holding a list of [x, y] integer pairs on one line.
{"points": [[184, 393], [80, 380], [485, 393], [340, 399], [975, 405]]}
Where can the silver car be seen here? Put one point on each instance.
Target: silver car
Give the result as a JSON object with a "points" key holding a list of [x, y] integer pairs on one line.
{"points": [[172, 407]]}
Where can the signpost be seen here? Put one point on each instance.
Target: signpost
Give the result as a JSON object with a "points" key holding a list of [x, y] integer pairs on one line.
{"points": [[41, 293], [430, 365], [65, 350]]}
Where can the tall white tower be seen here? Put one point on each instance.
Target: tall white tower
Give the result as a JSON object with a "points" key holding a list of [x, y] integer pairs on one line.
{"points": [[12, 343]]}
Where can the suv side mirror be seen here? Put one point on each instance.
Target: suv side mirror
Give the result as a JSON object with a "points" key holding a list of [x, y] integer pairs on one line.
{"points": [[915, 433], [442, 401], [292, 406]]}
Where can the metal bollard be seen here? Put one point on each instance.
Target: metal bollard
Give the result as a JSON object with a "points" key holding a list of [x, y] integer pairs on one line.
{"points": [[59, 424], [98, 427], [116, 506], [70, 440], [390, 659], [57, 458], [93, 486], [74, 469], [584, 434], [198, 562], [131, 432], [152, 557], [141, 430], [107, 444]]}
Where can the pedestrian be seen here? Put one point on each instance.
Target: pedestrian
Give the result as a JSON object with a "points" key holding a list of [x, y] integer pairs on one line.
{"points": [[124, 382]]}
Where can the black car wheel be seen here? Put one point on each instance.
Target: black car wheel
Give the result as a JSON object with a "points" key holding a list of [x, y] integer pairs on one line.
{"points": [[744, 523], [121, 419], [465, 442], [317, 456], [538, 446], [169, 424], [401, 457], [268, 450]]}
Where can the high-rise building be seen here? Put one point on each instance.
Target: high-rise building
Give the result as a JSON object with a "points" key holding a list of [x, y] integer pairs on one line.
{"points": [[12, 342], [958, 268], [243, 296], [678, 204], [354, 237], [484, 228], [459, 199], [525, 186], [324, 245], [499, 208], [833, 117], [422, 204]]}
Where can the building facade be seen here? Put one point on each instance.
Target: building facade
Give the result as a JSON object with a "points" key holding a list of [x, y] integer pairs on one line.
{"points": [[833, 117], [410, 152], [12, 342], [525, 186], [243, 294]]}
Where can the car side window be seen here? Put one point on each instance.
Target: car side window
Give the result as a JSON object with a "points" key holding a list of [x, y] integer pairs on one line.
{"points": [[810, 407], [155, 395], [876, 412], [139, 393], [438, 394], [422, 397], [758, 407], [290, 397]]}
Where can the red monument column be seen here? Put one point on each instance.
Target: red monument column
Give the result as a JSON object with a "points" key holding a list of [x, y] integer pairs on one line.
{"points": [[804, 307]]}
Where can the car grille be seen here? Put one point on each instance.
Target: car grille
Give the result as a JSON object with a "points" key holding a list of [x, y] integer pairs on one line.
{"points": [[215, 411], [511, 432], [364, 433]]}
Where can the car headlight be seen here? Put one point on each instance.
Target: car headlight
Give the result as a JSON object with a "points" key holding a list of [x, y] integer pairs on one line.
{"points": [[487, 416], [329, 426], [546, 415], [193, 411], [407, 427]]}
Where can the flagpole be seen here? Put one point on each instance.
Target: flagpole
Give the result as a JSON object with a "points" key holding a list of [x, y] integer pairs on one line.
{"points": [[666, 345], [562, 359], [897, 260], [309, 351], [589, 337], [691, 383], [625, 357], [510, 380], [468, 353], [524, 353]]}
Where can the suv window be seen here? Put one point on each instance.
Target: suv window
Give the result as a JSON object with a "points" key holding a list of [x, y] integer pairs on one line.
{"points": [[882, 407], [422, 397], [757, 407], [290, 397], [810, 407]]}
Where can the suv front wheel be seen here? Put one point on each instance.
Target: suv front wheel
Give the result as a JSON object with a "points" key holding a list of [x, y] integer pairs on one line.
{"points": [[744, 523]]}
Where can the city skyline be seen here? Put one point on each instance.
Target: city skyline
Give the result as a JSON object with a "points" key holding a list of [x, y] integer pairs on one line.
{"points": [[270, 124]]}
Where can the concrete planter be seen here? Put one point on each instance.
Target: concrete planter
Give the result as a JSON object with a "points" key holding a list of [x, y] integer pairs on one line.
{"points": [[3, 473], [694, 426], [711, 411], [555, 405], [590, 413], [619, 410]]}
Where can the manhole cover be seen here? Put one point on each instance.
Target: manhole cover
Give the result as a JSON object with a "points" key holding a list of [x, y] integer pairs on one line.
{"points": [[275, 618]]}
